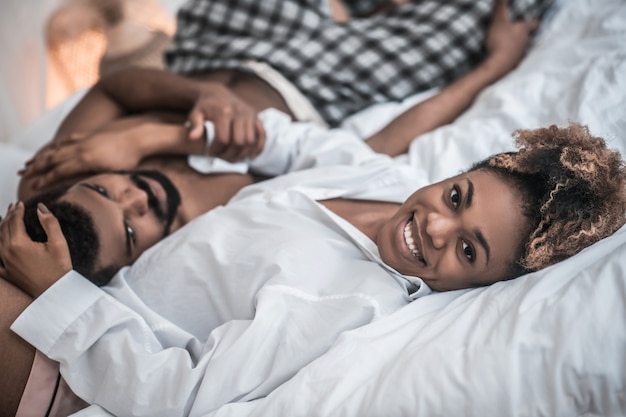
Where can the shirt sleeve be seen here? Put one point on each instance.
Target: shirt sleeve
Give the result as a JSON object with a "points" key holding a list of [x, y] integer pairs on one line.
{"points": [[294, 146], [111, 357]]}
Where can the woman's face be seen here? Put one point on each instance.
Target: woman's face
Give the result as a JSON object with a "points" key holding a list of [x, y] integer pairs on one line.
{"points": [[459, 233]]}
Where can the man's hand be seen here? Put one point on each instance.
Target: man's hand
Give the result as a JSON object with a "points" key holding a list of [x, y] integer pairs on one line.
{"points": [[239, 134], [78, 155], [117, 147], [507, 41], [506, 45], [32, 266]]}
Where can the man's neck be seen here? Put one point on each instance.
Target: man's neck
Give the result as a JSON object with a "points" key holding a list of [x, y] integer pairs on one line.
{"points": [[199, 192]]}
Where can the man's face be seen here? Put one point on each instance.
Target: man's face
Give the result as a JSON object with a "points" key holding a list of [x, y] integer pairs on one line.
{"points": [[459, 233], [131, 212]]}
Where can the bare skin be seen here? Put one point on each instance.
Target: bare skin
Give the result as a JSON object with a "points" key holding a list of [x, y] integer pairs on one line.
{"points": [[235, 140], [444, 233], [15, 354], [199, 193], [231, 99]]}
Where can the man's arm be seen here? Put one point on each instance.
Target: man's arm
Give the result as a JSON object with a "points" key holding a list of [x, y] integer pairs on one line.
{"points": [[506, 45], [238, 132], [132, 91], [110, 130], [120, 145]]}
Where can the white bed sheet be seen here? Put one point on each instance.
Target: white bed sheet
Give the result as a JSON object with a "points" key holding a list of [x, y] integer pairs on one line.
{"points": [[548, 344]]}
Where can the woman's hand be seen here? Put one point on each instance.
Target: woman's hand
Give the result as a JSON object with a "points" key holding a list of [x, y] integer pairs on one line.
{"points": [[239, 134], [32, 266], [507, 41]]}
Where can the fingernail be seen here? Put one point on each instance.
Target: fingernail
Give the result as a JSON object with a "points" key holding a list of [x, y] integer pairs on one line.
{"points": [[188, 124], [42, 208]]}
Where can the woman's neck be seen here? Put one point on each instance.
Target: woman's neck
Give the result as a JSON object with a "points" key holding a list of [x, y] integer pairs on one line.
{"points": [[367, 216]]}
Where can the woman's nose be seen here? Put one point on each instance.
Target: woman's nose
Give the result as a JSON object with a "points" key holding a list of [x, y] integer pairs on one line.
{"points": [[439, 227], [134, 201]]}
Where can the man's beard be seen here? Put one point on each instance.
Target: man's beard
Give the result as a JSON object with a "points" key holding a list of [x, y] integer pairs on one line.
{"points": [[173, 198]]}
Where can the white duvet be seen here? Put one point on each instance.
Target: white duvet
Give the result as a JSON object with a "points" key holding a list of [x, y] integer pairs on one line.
{"points": [[549, 344]]}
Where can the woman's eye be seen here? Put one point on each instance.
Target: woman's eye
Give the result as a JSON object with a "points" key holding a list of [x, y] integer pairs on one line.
{"points": [[455, 197], [468, 251]]}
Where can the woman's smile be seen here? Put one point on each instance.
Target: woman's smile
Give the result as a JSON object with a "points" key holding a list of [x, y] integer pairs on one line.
{"points": [[461, 232], [413, 240]]}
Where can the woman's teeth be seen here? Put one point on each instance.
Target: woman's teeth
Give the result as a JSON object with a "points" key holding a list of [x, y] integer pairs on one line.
{"points": [[410, 241]]}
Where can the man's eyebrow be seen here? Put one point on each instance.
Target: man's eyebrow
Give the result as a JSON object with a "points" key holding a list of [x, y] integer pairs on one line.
{"points": [[470, 193], [483, 242], [129, 248]]}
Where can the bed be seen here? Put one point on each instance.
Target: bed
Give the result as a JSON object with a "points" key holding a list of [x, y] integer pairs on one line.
{"points": [[552, 343]]}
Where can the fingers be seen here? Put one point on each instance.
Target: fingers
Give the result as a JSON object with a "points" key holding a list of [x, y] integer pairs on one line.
{"points": [[32, 266], [51, 226], [243, 143], [62, 171], [196, 124], [4, 232], [237, 134], [240, 141], [52, 166], [261, 138], [10, 226], [47, 159]]}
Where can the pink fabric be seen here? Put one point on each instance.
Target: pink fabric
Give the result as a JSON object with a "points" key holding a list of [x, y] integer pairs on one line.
{"points": [[40, 390]]}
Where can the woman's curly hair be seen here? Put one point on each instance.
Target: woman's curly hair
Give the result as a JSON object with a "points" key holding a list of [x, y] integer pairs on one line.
{"points": [[573, 187]]}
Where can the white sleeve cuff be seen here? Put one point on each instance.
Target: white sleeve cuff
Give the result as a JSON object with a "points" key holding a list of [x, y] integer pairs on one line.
{"points": [[49, 315]]}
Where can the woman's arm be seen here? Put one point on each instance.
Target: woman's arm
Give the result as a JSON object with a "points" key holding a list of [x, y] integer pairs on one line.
{"points": [[99, 341], [506, 45]]}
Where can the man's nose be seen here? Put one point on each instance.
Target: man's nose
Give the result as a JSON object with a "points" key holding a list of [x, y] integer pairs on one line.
{"points": [[440, 228], [134, 201]]}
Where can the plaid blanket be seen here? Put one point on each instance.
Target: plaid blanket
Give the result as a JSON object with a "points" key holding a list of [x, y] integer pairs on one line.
{"points": [[340, 68]]}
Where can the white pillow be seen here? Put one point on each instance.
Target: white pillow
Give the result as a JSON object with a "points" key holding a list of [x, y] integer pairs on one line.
{"points": [[548, 344]]}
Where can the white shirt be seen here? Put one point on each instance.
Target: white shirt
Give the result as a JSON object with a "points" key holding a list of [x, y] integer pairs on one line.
{"points": [[246, 295]]}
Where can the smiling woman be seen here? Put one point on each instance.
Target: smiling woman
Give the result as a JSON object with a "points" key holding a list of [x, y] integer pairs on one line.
{"points": [[340, 240], [446, 234]]}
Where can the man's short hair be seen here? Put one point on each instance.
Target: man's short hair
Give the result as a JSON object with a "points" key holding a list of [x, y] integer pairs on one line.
{"points": [[78, 228]]}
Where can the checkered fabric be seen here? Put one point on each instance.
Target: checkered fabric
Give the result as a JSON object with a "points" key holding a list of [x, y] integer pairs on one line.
{"points": [[340, 68]]}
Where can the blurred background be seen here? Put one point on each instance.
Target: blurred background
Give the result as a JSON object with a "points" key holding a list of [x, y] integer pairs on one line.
{"points": [[50, 49]]}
